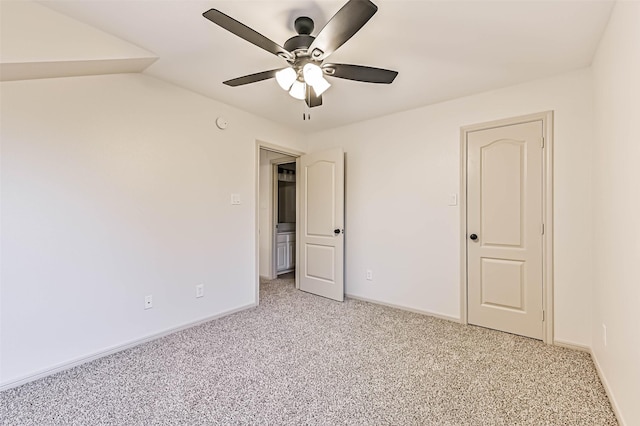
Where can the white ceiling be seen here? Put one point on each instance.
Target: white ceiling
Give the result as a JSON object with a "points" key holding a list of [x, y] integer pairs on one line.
{"points": [[442, 49]]}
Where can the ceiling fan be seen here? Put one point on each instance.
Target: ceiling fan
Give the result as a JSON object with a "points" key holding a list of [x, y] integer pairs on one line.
{"points": [[304, 76]]}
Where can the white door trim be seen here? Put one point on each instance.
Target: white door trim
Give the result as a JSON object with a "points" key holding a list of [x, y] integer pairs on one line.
{"points": [[547, 204], [281, 150]]}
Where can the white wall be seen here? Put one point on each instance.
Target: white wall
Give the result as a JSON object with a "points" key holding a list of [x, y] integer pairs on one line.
{"points": [[616, 209], [115, 187], [400, 170]]}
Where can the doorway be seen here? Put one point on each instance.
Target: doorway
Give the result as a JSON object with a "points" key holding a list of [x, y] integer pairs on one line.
{"points": [[284, 205], [317, 244], [507, 225], [269, 157]]}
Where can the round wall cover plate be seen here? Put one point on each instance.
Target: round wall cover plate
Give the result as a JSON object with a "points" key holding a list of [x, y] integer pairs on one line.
{"points": [[221, 123]]}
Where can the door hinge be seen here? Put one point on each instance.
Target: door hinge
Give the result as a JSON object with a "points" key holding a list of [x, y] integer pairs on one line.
{"points": [[543, 316], [541, 141], [542, 229]]}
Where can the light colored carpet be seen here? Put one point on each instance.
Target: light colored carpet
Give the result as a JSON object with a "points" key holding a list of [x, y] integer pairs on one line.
{"points": [[301, 359]]}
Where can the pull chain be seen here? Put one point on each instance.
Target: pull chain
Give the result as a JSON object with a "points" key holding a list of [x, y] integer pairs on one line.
{"points": [[306, 115]]}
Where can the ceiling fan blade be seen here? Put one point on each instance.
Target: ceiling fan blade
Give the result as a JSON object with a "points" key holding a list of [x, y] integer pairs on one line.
{"points": [[312, 99], [242, 31], [360, 73], [342, 27], [251, 78]]}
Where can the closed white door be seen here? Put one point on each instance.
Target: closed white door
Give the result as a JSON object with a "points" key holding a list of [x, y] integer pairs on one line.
{"points": [[320, 226], [504, 228]]}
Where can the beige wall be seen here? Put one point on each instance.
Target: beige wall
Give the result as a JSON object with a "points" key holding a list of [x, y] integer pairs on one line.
{"points": [[616, 209], [401, 170], [113, 188]]}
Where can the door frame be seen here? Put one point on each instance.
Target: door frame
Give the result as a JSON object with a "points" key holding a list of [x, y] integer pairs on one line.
{"points": [[280, 150], [547, 214]]}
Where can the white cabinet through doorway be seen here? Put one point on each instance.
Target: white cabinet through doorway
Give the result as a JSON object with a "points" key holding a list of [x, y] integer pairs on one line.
{"points": [[285, 252]]}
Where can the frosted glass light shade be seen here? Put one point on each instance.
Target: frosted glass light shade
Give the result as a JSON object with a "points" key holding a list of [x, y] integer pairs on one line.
{"points": [[320, 86], [286, 77], [314, 77], [298, 90], [312, 74]]}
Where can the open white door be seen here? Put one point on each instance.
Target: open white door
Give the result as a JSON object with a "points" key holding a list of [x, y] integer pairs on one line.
{"points": [[321, 223]]}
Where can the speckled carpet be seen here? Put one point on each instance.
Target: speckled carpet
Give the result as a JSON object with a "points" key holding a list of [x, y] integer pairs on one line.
{"points": [[299, 359]]}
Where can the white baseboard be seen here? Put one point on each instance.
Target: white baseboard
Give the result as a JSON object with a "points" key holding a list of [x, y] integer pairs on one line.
{"points": [[572, 345], [118, 348], [404, 308], [607, 389]]}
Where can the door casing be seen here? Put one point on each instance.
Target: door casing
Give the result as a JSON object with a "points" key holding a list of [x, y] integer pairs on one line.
{"points": [[547, 204]]}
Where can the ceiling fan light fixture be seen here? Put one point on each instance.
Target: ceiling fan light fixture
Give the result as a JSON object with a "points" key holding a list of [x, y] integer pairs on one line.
{"points": [[305, 53], [285, 78], [298, 90]]}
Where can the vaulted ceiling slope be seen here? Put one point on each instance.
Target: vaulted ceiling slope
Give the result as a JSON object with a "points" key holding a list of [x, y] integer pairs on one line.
{"points": [[38, 42], [442, 49]]}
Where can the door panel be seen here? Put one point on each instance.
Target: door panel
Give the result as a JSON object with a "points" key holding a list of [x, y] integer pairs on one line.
{"points": [[321, 250], [320, 208], [502, 283], [501, 185], [320, 262], [504, 210]]}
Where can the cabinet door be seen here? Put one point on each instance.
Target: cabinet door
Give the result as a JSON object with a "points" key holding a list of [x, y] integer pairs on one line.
{"points": [[292, 255], [281, 256]]}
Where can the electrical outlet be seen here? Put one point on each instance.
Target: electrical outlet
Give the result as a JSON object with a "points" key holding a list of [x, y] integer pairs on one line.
{"points": [[199, 290], [604, 334], [148, 302], [369, 275]]}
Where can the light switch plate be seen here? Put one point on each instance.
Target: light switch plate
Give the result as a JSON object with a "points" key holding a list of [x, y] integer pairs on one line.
{"points": [[235, 199], [453, 199]]}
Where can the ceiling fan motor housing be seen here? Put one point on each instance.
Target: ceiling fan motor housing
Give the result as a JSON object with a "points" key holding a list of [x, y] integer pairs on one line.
{"points": [[303, 26], [299, 42]]}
